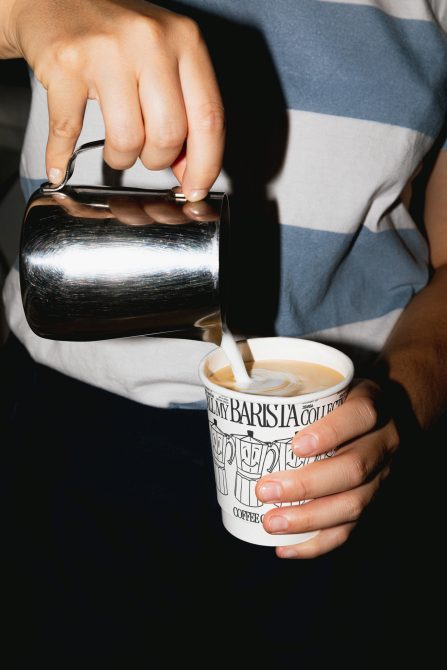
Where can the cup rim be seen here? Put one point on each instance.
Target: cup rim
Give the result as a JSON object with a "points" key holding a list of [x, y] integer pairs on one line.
{"points": [[283, 400]]}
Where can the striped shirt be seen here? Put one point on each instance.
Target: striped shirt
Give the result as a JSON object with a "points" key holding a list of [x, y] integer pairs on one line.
{"points": [[332, 107]]}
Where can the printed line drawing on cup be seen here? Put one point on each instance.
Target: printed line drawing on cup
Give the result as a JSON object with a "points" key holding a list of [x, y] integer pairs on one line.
{"points": [[219, 443], [290, 461], [251, 456]]}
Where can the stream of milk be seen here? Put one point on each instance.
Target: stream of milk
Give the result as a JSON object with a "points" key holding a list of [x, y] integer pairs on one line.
{"points": [[260, 381]]}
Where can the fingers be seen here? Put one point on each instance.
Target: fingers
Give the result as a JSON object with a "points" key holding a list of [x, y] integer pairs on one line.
{"points": [[158, 94], [324, 541], [206, 122], [327, 512], [352, 466], [120, 107], [357, 416], [174, 118], [163, 112], [178, 167], [67, 99], [339, 488]]}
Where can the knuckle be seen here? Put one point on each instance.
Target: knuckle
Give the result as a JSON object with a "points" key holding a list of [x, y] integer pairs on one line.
{"points": [[343, 534], [359, 471], [211, 118], [105, 42], [302, 489], [68, 55], [189, 29], [152, 162], [310, 549], [119, 163], [153, 31], [65, 129], [393, 440], [384, 474], [168, 136], [124, 141], [368, 413], [354, 508], [333, 436]]}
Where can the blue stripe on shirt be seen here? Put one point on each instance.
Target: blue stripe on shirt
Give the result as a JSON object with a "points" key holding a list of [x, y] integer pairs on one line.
{"points": [[373, 274], [344, 60]]}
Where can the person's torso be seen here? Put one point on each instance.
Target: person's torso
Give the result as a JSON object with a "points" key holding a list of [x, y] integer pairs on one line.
{"points": [[331, 107]]}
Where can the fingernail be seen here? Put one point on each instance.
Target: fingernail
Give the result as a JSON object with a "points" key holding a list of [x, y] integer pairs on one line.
{"points": [[277, 524], [54, 175], [270, 492], [305, 445], [198, 194], [287, 552]]}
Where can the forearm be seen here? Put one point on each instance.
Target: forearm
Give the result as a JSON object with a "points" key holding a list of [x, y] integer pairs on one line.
{"points": [[8, 48], [415, 354]]}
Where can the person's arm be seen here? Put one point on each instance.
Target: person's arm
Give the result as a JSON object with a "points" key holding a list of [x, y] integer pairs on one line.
{"points": [[416, 352], [415, 357], [148, 68], [7, 49]]}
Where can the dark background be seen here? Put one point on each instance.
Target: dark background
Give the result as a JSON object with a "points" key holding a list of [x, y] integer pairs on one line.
{"points": [[14, 105], [379, 588]]}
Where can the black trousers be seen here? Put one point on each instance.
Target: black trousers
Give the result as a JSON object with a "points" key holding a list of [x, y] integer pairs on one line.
{"points": [[112, 538]]}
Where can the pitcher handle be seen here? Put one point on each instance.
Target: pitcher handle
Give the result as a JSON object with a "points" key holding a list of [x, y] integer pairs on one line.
{"points": [[275, 449], [48, 187]]}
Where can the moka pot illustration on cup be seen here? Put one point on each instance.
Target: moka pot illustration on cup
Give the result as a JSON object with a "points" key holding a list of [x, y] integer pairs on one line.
{"points": [[220, 442], [288, 460], [251, 457]]}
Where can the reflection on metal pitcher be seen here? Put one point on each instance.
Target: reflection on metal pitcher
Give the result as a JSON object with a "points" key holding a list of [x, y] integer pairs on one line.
{"points": [[99, 262]]}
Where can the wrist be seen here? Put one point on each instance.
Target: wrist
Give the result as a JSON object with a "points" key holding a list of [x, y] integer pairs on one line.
{"points": [[409, 383], [9, 47]]}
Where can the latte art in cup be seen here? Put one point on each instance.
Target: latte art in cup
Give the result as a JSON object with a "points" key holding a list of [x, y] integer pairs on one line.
{"points": [[284, 378]]}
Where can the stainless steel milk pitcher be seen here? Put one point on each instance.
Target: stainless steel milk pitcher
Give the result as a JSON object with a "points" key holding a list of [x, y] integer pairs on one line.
{"points": [[99, 262]]}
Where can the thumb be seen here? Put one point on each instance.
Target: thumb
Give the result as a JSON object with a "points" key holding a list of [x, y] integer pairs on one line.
{"points": [[66, 107]]}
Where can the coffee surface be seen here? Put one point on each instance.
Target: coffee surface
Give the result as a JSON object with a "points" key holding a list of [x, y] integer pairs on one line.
{"points": [[279, 378]]}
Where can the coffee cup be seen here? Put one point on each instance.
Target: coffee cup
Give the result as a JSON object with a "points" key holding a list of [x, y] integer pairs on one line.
{"points": [[251, 434]]}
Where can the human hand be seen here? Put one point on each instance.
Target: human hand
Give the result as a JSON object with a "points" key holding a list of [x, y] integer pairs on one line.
{"points": [[148, 68], [338, 488]]}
